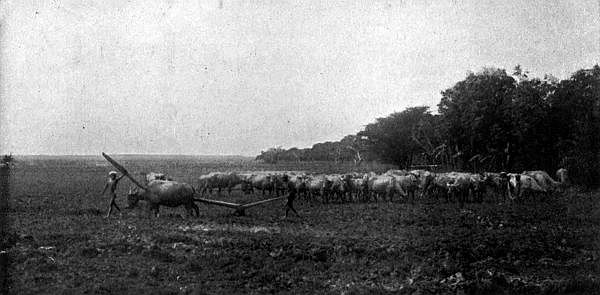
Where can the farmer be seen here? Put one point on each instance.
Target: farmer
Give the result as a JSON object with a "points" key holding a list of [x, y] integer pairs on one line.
{"points": [[111, 184], [291, 188]]}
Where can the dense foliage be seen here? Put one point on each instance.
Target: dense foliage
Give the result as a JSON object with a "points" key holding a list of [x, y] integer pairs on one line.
{"points": [[491, 121]]}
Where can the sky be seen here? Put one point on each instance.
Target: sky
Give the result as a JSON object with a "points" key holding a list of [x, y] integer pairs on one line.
{"points": [[236, 77]]}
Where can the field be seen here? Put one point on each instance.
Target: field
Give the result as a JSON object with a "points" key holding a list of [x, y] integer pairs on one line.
{"points": [[60, 242]]}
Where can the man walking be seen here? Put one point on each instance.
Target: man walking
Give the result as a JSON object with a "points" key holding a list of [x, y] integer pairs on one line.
{"points": [[291, 188], [111, 185]]}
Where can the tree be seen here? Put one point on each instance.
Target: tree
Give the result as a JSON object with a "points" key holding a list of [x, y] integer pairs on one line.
{"points": [[355, 147], [488, 121], [575, 121], [390, 138], [476, 117], [532, 134], [272, 155]]}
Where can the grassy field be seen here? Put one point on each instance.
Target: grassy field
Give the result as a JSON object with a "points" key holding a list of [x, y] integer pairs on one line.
{"points": [[60, 242]]}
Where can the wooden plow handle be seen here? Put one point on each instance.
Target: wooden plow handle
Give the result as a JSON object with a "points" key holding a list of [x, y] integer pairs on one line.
{"points": [[250, 205], [240, 209], [218, 203], [123, 171]]}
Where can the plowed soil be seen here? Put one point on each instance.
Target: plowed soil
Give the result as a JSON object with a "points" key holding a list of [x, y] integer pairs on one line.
{"points": [[60, 242]]}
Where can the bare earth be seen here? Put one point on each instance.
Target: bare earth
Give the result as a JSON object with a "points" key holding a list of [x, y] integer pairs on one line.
{"points": [[60, 242]]}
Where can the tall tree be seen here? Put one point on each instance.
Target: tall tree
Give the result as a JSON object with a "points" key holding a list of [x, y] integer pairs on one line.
{"points": [[531, 131], [391, 138], [476, 116], [575, 119]]}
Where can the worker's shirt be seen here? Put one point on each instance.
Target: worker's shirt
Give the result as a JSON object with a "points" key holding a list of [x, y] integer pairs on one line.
{"points": [[291, 188]]}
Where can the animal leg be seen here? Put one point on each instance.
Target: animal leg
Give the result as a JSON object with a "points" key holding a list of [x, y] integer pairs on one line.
{"points": [[155, 208], [189, 210]]}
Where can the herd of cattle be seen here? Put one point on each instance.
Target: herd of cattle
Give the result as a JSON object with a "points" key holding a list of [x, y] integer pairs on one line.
{"points": [[393, 184]]}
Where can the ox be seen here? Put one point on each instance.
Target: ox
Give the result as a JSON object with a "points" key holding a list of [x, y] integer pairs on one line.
{"points": [[318, 186], [300, 183], [165, 193], [262, 182], [338, 186], [384, 186], [543, 179], [359, 187], [520, 185], [218, 180], [497, 183], [409, 184], [563, 176]]}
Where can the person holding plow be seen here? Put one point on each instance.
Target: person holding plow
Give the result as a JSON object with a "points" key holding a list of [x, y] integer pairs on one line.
{"points": [[291, 188], [111, 186]]}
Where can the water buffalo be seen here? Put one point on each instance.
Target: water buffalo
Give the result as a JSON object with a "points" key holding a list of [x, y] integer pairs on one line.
{"points": [[165, 193], [219, 180]]}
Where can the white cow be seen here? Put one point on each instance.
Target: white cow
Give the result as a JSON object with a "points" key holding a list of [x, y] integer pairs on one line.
{"points": [[165, 193], [521, 184], [384, 186], [409, 184], [156, 176], [563, 176], [543, 179], [218, 180]]}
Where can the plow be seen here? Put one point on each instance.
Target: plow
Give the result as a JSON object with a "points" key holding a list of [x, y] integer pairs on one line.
{"points": [[239, 209]]}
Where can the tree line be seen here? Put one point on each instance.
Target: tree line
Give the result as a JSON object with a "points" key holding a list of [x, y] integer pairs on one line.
{"points": [[490, 121]]}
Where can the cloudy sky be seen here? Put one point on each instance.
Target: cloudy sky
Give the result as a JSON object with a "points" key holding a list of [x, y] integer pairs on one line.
{"points": [[236, 77]]}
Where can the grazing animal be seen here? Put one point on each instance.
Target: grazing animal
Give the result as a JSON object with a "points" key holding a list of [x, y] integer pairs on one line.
{"points": [[318, 186], [520, 185], [277, 180], [338, 187], [409, 184], [563, 177], [543, 179], [359, 187], [262, 182], [396, 172], [246, 185], [477, 188], [219, 180], [459, 186], [156, 176], [439, 185], [462, 185], [497, 183], [426, 179], [299, 182], [165, 193], [384, 186]]}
